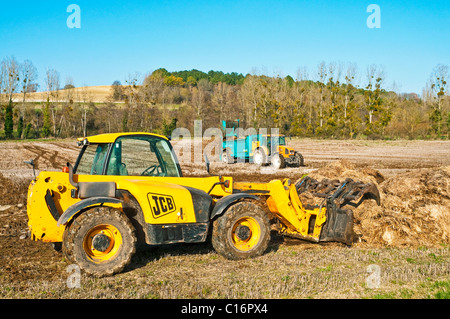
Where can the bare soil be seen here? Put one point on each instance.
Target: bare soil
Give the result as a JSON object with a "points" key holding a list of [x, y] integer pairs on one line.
{"points": [[408, 235]]}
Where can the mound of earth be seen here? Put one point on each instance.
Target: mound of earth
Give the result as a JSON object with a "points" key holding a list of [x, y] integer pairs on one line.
{"points": [[414, 210], [13, 191]]}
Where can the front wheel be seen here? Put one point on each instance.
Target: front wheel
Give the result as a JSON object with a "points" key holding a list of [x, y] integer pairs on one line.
{"points": [[242, 232], [278, 161], [101, 241]]}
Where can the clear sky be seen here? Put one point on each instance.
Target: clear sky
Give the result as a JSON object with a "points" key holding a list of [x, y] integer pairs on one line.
{"points": [[118, 38]]}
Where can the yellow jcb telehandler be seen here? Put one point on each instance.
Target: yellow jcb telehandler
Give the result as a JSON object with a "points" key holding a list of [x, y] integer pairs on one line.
{"points": [[128, 188]]}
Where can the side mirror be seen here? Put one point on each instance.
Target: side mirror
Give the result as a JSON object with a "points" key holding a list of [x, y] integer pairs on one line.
{"points": [[71, 176]]}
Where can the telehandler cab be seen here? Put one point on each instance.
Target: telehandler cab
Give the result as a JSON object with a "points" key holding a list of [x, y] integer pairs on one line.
{"points": [[127, 188]]}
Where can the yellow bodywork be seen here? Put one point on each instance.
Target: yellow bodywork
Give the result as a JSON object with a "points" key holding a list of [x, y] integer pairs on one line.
{"points": [[283, 201], [281, 198], [283, 150], [170, 194], [44, 227], [111, 137]]}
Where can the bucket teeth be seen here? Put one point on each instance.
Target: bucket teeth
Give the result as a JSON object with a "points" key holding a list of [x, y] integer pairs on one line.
{"points": [[348, 192]]}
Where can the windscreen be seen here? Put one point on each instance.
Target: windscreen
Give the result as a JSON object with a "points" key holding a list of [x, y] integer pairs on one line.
{"points": [[92, 159]]}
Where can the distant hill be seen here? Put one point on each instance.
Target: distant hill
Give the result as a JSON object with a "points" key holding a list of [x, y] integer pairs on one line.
{"points": [[88, 93]]}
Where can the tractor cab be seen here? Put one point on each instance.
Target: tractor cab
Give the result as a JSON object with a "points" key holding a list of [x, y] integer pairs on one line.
{"points": [[135, 154], [229, 128]]}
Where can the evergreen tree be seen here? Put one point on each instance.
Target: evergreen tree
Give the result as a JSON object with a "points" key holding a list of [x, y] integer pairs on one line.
{"points": [[125, 121], [9, 120], [46, 128], [27, 132], [168, 128], [20, 127]]}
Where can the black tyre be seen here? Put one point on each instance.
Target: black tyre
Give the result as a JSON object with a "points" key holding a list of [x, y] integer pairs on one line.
{"points": [[300, 160], [243, 231], [101, 241]]}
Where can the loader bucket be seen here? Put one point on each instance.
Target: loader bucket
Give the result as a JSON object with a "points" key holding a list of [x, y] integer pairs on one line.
{"points": [[339, 225], [336, 195]]}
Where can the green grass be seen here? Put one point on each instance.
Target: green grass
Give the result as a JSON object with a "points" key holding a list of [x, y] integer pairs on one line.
{"points": [[441, 289]]}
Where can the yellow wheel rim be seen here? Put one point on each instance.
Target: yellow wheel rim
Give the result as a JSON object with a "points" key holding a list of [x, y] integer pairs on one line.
{"points": [[245, 233], [102, 243]]}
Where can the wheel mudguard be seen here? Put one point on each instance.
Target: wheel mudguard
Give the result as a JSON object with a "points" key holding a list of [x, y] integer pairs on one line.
{"points": [[75, 208]]}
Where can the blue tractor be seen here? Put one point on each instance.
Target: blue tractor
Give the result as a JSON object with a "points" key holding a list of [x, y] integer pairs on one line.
{"points": [[261, 149]]}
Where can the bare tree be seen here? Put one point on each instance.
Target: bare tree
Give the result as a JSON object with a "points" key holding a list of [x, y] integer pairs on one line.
{"points": [[10, 68], [249, 94], [3, 78], [350, 78], [439, 88], [321, 77], [52, 81], [69, 90], [28, 76], [85, 101], [153, 87], [375, 78], [302, 74]]}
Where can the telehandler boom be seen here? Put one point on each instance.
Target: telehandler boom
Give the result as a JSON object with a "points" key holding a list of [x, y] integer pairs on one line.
{"points": [[128, 188]]}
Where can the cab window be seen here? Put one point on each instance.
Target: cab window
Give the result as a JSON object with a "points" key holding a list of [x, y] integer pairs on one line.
{"points": [[141, 156], [92, 159]]}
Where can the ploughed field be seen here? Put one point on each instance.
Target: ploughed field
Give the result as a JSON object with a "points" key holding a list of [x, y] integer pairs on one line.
{"points": [[402, 248]]}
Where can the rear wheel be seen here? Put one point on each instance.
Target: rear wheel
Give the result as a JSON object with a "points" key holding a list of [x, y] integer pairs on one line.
{"points": [[259, 157], [101, 241], [242, 232], [299, 159]]}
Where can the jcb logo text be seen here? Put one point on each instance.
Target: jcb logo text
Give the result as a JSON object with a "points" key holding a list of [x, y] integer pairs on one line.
{"points": [[161, 204]]}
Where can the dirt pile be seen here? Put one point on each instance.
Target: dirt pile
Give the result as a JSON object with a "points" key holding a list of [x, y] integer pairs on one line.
{"points": [[13, 191], [414, 210]]}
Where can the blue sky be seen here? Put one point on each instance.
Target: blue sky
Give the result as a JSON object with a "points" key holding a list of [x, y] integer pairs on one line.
{"points": [[119, 38]]}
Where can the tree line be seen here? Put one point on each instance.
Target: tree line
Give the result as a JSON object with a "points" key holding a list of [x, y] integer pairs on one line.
{"points": [[333, 100]]}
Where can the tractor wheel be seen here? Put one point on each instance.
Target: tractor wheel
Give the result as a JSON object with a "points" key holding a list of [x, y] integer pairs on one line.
{"points": [[278, 161], [300, 160], [259, 157], [243, 231], [101, 241]]}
